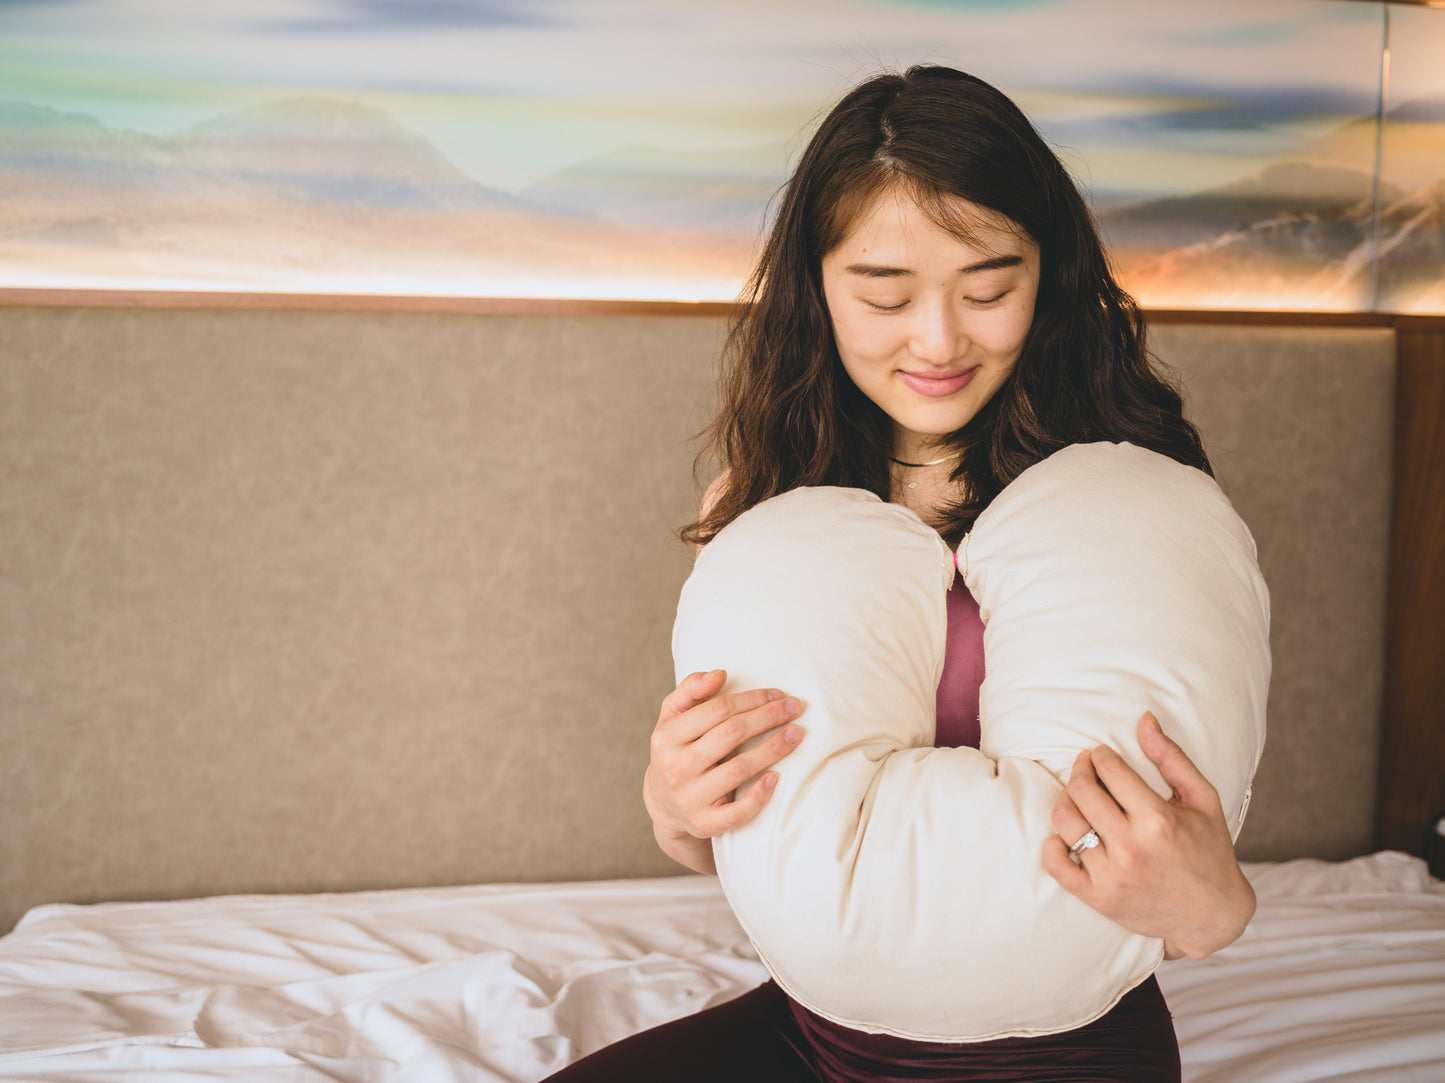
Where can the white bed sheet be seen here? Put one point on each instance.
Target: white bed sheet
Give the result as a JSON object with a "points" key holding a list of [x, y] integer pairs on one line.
{"points": [[1340, 977]]}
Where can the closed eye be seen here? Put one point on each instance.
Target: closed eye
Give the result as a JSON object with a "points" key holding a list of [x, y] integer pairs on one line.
{"points": [[985, 302], [885, 308]]}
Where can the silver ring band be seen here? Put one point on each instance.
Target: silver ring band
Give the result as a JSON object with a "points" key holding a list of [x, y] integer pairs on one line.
{"points": [[1088, 842]]}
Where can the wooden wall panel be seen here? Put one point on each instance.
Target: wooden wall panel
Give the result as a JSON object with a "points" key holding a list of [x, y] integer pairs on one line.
{"points": [[1412, 753]]}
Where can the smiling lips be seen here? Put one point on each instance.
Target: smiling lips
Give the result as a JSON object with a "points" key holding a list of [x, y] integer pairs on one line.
{"points": [[938, 384]]}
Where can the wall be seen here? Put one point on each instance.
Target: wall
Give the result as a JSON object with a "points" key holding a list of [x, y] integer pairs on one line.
{"points": [[317, 600]]}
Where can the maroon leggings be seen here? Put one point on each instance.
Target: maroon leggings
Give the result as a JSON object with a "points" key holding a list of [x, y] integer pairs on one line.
{"points": [[763, 1037]]}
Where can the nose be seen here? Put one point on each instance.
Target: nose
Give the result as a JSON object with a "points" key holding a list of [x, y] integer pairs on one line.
{"points": [[937, 335]]}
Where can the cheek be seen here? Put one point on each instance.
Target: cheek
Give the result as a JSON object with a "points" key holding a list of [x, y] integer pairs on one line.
{"points": [[1019, 322], [1025, 322], [859, 343], [1006, 337], [987, 392]]}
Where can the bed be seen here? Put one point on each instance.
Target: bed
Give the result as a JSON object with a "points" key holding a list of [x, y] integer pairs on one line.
{"points": [[290, 640], [1341, 976]]}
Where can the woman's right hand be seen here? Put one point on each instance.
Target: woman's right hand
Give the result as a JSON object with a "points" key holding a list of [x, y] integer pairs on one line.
{"points": [[696, 768]]}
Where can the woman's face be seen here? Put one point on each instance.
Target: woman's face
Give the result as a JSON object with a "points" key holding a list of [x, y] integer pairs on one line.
{"points": [[927, 325]]}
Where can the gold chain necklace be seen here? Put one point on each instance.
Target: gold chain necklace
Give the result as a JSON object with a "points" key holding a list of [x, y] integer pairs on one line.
{"points": [[918, 466], [931, 462]]}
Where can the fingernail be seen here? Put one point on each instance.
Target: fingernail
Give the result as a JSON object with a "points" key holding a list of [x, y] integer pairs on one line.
{"points": [[712, 673], [774, 694], [792, 734], [792, 706], [769, 781]]}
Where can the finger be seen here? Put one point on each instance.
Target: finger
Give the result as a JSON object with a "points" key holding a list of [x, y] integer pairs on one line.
{"points": [[745, 765], [1069, 876], [750, 720], [731, 815], [1063, 798], [715, 778], [1068, 821], [693, 689], [1191, 788], [1130, 792], [722, 711], [693, 778], [1092, 800]]}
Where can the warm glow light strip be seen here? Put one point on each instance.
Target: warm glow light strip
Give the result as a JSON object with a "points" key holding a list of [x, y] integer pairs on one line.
{"points": [[11, 297], [357, 302], [1412, 3]]}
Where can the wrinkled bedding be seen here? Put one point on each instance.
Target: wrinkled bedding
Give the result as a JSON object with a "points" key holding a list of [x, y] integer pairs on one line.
{"points": [[1341, 976]]}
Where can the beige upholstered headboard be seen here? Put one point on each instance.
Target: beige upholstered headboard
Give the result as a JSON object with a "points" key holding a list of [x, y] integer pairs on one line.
{"points": [[297, 601]]}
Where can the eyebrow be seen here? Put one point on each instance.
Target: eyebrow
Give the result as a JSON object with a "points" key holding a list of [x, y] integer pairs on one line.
{"points": [[873, 270]]}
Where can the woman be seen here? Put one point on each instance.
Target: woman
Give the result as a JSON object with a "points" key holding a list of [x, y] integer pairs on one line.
{"points": [[931, 315]]}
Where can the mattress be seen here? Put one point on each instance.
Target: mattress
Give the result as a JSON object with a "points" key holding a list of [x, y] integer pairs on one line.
{"points": [[1341, 976]]}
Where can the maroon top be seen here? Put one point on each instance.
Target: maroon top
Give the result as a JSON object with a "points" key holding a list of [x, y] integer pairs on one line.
{"points": [[962, 671]]}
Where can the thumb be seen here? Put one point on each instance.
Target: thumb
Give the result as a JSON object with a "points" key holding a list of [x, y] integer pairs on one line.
{"points": [[1191, 788]]}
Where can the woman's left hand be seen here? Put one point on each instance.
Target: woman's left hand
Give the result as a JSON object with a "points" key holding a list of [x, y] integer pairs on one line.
{"points": [[1162, 868]]}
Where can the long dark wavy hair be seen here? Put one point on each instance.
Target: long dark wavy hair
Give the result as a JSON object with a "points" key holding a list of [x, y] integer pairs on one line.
{"points": [[790, 416]]}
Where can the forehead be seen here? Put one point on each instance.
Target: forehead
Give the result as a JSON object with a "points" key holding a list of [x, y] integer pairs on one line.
{"points": [[898, 222]]}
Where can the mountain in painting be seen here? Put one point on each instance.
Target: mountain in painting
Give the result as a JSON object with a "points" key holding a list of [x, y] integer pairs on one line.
{"points": [[305, 193], [1318, 257], [333, 152], [1254, 241], [1412, 252], [1413, 145], [311, 149], [1302, 233], [724, 189], [40, 141], [1428, 110], [1293, 190]]}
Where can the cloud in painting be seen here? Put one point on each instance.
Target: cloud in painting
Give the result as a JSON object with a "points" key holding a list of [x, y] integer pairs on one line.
{"points": [[351, 16], [1241, 107], [1245, 35]]}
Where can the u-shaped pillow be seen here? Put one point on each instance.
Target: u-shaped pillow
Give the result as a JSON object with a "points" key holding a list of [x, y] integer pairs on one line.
{"points": [[897, 887]]}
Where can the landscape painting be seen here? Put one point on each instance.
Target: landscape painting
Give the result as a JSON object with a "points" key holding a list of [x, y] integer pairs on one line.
{"points": [[1234, 152]]}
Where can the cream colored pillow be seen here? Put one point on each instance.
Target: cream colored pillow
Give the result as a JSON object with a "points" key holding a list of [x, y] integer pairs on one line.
{"points": [[897, 887]]}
